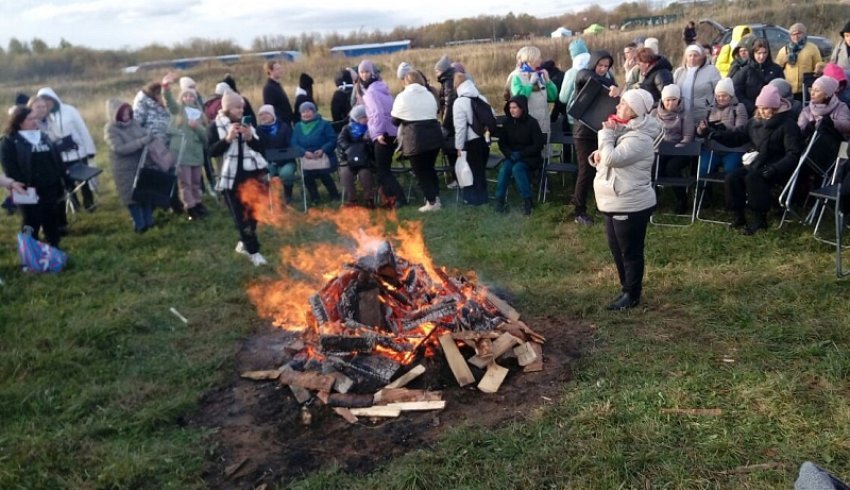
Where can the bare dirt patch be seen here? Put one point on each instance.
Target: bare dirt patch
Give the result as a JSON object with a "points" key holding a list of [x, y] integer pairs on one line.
{"points": [[261, 436]]}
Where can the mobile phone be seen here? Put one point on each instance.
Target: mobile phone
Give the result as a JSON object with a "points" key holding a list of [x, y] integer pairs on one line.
{"points": [[246, 120]]}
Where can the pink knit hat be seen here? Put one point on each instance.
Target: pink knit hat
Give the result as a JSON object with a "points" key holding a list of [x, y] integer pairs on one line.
{"points": [[827, 85], [769, 97], [835, 71]]}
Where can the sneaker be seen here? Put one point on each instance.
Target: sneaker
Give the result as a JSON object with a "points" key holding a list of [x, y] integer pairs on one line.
{"points": [[240, 248], [452, 185], [584, 219], [257, 259], [431, 207]]}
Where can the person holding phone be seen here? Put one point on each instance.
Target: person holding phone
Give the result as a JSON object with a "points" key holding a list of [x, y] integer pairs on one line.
{"points": [[234, 140], [188, 132]]}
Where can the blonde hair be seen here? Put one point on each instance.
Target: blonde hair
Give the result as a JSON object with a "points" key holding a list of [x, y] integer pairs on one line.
{"points": [[528, 54], [414, 76], [458, 79]]}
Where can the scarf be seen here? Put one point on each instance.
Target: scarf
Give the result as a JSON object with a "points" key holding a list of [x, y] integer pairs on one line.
{"points": [[819, 111], [357, 129], [794, 49], [251, 160], [688, 86], [309, 126], [270, 129]]}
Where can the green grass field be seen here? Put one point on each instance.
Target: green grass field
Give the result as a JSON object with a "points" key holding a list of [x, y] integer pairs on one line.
{"points": [[97, 377]]}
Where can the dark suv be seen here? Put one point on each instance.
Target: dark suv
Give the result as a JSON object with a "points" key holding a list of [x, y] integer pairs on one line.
{"points": [[776, 36]]}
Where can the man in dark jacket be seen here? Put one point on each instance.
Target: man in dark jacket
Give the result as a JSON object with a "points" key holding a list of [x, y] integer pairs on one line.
{"points": [[341, 100], [273, 93], [689, 34], [521, 141]]}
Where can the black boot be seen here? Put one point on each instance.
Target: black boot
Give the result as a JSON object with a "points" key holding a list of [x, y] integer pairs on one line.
{"points": [[760, 223], [526, 206], [287, 193], [739, 220], [624, 302], [202, 210], [500, 205], [193, 213]]}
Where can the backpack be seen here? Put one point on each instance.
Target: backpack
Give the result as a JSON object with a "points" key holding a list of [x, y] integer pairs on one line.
{"points": [[483, 118]]}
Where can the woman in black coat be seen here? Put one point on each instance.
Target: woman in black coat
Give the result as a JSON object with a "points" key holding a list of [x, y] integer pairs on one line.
{"points": [[656, 70], [521, 141], [28, 157]]}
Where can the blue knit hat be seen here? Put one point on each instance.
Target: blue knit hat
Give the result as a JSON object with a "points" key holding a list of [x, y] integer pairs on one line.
{"points": [[577, 47], [307, 106]]}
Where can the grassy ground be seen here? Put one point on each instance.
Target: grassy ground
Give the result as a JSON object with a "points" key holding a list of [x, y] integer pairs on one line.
{"points": [[96, 376]]}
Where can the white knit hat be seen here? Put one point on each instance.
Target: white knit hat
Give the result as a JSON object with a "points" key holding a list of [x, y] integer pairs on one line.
{"points": [[671, 91], [651, 43], [725, 86], [639, 101], [222, 88]]}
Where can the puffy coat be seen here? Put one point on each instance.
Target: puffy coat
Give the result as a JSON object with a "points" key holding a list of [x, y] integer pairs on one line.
{"points": [[379, 104], [726, 57], [415, 112], [151, 115], [357, 152], [584, 76], [322, 137], [126, 142], [66, 120], [462, 114], [192, 140], [702, 92], [812, 114], [733, 116], [677, 125], [748, 80], [623, 182], [778, 140], [521, 135], [807, 58], [657, 77]]}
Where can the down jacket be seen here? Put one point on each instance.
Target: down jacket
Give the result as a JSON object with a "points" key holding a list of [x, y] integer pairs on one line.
{"points": [[66, 120], [623, 182], [521, 135], [415, 112], [677, 125], [126, 142], [807, 58], [379, 104], [702, 92], [584, 76], [838, 111], [462, 114], [151, 115], [657, 77]]}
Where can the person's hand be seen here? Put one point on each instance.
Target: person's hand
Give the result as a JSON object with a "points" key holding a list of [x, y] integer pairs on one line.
{"points": [[148, 138], [193, 123], [233, 132], [459, 153], [246, 132], [309, 154], [318, 153], [702, 127], [609, 125], [382, 140], [169, 78], [595, 158], [768, 172], [544, 75], [18, 187], [613, 91]]}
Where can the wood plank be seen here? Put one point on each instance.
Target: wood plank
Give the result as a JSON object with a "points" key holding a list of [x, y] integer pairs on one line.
{"points": [[346, 414], [260, 375], [406, 377], [503, 344], [525, 353], [301, 395], [537, 365], [417, 406], [376, 411], [351, 400], [457, 363], [324, 396], [504, 308], [397, 395], [531, 333], [309, 380], [472, 335], [342, 383], [493, 378], [484, 348]]}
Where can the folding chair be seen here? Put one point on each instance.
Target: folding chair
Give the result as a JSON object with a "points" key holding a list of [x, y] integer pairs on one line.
{"points": [[829, 195], [82, 174], [285, 155], [401, 166], [666, 149], [786, 197], [716, 177], [563, 167]]}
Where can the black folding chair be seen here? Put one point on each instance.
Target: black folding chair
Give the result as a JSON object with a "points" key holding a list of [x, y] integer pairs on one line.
{"points": [[829, 196], [715, 177], [563, 166], [689, 150], [80, 174], [786, 197]]}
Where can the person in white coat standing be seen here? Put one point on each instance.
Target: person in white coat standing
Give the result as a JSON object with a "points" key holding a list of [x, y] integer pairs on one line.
{"points": [[466, 139], [623, 188]]}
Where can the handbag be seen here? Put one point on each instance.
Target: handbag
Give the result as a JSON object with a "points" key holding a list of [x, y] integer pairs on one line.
{"points": [[463, 171], [39, 257], [321, 163], [160, 155]]}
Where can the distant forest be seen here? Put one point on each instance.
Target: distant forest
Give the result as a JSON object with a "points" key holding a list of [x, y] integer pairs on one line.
{"points": [[34, 60]]}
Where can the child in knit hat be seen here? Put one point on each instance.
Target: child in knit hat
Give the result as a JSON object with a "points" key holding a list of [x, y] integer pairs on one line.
{"points": [[355, 150], [678, 129]]}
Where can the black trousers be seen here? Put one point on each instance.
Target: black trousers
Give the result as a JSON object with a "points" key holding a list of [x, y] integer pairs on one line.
{"points": [[586, 172], [749, 186], [46, 215], [313, 190], [423, 167], [245, 222], [477, 153], [383, 163], [626, 234]]}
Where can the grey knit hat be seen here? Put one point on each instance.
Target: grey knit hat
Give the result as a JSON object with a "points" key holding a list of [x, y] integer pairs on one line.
{"points": [[403, 69], [443, 64], [357, 112]]}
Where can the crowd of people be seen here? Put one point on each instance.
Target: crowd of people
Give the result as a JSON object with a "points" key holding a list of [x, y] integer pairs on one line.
{"points": [[762, 109]]}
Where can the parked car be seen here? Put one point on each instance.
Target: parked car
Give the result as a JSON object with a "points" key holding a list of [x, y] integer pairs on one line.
{"points": [[776, 36]]}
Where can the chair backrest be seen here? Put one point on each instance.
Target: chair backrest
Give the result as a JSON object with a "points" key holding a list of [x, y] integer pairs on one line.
{"points": [[559, 138], [669, 149], [712, 145], [281, 154], [840, 161]]}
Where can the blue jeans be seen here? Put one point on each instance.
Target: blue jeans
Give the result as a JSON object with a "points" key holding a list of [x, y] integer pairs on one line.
{"points": [[730, 161], [284, 170], [519, 170], [142, 215]]}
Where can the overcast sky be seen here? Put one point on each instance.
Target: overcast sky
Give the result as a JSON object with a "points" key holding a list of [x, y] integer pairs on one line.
{"points": [[113, 24]]}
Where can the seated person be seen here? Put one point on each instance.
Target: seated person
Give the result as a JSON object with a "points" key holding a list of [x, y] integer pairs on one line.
{"points": [[521, 141], [830, 117], [725, 113], [677, 128], [355, 147], [276, 135], [315, 140]]}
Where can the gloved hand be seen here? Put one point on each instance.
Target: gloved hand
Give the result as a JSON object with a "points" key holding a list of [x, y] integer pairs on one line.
{"points": [[826, 122], [768, 172]]}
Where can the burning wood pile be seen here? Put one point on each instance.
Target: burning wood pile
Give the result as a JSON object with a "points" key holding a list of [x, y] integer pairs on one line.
{"points": [[371, 323]]}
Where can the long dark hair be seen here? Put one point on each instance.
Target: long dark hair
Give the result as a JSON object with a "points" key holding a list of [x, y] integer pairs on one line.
{"points": [[16, 119]]}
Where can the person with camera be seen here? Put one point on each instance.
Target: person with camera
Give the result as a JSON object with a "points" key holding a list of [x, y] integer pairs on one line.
{"points": [[31, 161], [188, 143], [234, 140]]}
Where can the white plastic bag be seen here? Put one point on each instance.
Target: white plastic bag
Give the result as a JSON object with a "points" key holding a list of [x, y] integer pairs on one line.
{"points": [[462, 171]]}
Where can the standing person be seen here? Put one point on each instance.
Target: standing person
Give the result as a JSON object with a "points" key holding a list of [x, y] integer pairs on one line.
{"points": [[379, 105], [355, 147], [697, 80], [304, 92], [534, 83], [273, 93], [126, 140], [631, 70], [188, 143], [746, 73], [466, 139], [64, 121], [655, 72], [276, 135], [415, 112], [520, 141], [689, 34], [314, 137], [557, 77], [580, 57], [249, 109], [29, 158], [724, 59], [447, 96], [764, 61], [187, 83], [841, 54], [585, 138], [623, 188], [797, 58], [341, 100], [241, 153]]}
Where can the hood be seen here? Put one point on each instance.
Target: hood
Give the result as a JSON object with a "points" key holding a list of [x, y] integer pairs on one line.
{"points": [[580, 61], [343, 77], [48, 92], [577, 47], [738, 32], [305, 81], [661, 64], [522, 102], [468, 89], [112, 108], [597, 56]]}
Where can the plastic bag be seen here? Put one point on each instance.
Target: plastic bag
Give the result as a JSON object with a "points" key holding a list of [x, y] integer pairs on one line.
{"points": [[39, 257], [463, 171]]}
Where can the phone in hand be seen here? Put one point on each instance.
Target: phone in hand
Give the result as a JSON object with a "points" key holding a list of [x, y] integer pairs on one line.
{"points": [[246, 120]]}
